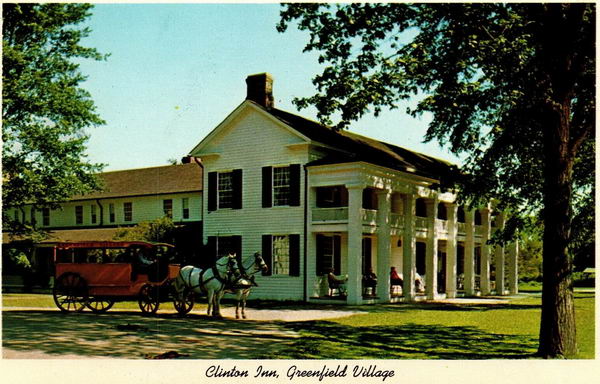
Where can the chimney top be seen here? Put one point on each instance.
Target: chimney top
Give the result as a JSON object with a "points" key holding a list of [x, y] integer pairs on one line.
{"points": [[260, 89]]}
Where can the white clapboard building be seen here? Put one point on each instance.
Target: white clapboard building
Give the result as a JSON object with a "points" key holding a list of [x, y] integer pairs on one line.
{"points": [[312, 200]]}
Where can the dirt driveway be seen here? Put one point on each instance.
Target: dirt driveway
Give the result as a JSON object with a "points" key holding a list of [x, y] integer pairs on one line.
{"points": [[46, 333]]}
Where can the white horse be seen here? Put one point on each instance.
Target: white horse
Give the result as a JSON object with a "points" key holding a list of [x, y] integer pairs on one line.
{"points": [[211, 281], [241, 288]]}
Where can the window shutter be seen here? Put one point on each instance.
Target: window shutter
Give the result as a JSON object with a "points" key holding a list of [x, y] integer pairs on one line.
{"points": [[320, 246], [267, 252], [337, 255], [212, 191], [267, 187], [212, 249], [294, 255], [236, 245], [237, 189], [295, 185]]}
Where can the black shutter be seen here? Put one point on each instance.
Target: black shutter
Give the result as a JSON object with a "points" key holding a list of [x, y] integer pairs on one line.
{"points": [[320, 246], [212, 191], [267, 250], [337, 255], [236, 245], [294, 255], [212, 249], [267, 187], [237, 189], [295, 185]]}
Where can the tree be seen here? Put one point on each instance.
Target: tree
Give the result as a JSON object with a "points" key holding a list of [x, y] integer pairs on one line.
{"points": [[509, 86], [45, 112], [161, 230]]}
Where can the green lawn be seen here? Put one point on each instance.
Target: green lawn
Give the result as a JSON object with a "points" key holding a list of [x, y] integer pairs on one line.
{"points": [[411, 331], [436, 331]]}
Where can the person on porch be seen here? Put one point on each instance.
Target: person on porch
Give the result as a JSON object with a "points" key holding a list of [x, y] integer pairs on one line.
{"points": [[370, 282], [335, 283]]}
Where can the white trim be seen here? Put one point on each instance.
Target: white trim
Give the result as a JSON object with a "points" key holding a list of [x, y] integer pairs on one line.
{"points": [[246, 104]]}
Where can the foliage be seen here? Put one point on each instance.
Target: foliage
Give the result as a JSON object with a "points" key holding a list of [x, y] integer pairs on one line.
{"points": [[159, 230], [45, 112], [19, 259], [530, 258], [510, 87]]}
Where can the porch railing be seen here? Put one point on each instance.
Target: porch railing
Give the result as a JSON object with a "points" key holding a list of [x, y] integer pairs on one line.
{"points": [[338, 214], [368, 216], [421, 223], [396, 220]]}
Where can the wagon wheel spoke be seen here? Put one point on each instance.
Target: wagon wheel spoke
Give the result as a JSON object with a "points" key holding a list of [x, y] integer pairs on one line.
{"points": [[148, 299], [70, 292], [184, 303], [99, 305]]}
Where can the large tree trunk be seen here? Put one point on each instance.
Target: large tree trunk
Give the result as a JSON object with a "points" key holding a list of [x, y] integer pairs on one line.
{"points": [[557, 328]]}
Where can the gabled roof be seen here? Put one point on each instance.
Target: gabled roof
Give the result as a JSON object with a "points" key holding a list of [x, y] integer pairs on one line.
{"points": [[148, 181], [355, 147]]}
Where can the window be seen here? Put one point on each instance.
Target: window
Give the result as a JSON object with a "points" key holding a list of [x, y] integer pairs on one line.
{"points": [[329, 197], [369, 199], [421, 208], [185, 208], [225, 190], [328, 254], [281, 255], [442, 212], [168, 208], [93, 213], [45, 217], [281, 186], [111, 212], [79, 214], [128, 211], [228, 244]]}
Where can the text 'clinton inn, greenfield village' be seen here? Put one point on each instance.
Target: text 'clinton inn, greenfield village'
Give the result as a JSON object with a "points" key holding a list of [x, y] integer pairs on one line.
{"points": [[311, 200]]}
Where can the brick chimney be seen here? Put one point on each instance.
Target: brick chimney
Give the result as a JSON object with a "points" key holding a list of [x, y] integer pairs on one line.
{"points": [[260, 89]]}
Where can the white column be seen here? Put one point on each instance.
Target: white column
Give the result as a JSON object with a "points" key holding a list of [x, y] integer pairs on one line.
{"points": [[469, 253], [354, 283], [408, 249], [485, 251], [451, 210], [384, 246], [431, 255], [513, 268], [499, 259]]}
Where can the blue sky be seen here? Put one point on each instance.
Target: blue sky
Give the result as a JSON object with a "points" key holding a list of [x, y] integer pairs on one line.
{"points": [[176, 71]]}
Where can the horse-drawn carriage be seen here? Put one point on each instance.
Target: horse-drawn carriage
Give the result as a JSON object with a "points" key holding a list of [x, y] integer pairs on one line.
{"points": [[98, 274]]}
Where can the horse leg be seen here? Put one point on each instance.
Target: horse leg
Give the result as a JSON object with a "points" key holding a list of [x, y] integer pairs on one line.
{"points": [[244, 296], [217, 305], [210, 298]]}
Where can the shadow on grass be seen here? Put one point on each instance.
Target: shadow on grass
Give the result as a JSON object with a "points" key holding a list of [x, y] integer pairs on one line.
{"points": [[128, 335], [327, 340]]}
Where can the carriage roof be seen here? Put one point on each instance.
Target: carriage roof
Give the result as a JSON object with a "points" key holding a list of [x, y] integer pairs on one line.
{"points": [[103, 244]]}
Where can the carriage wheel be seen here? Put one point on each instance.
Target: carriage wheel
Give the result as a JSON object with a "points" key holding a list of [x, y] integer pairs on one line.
{"points": [[148, 299], [186, 303], [70, 292], [99, 305]]}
